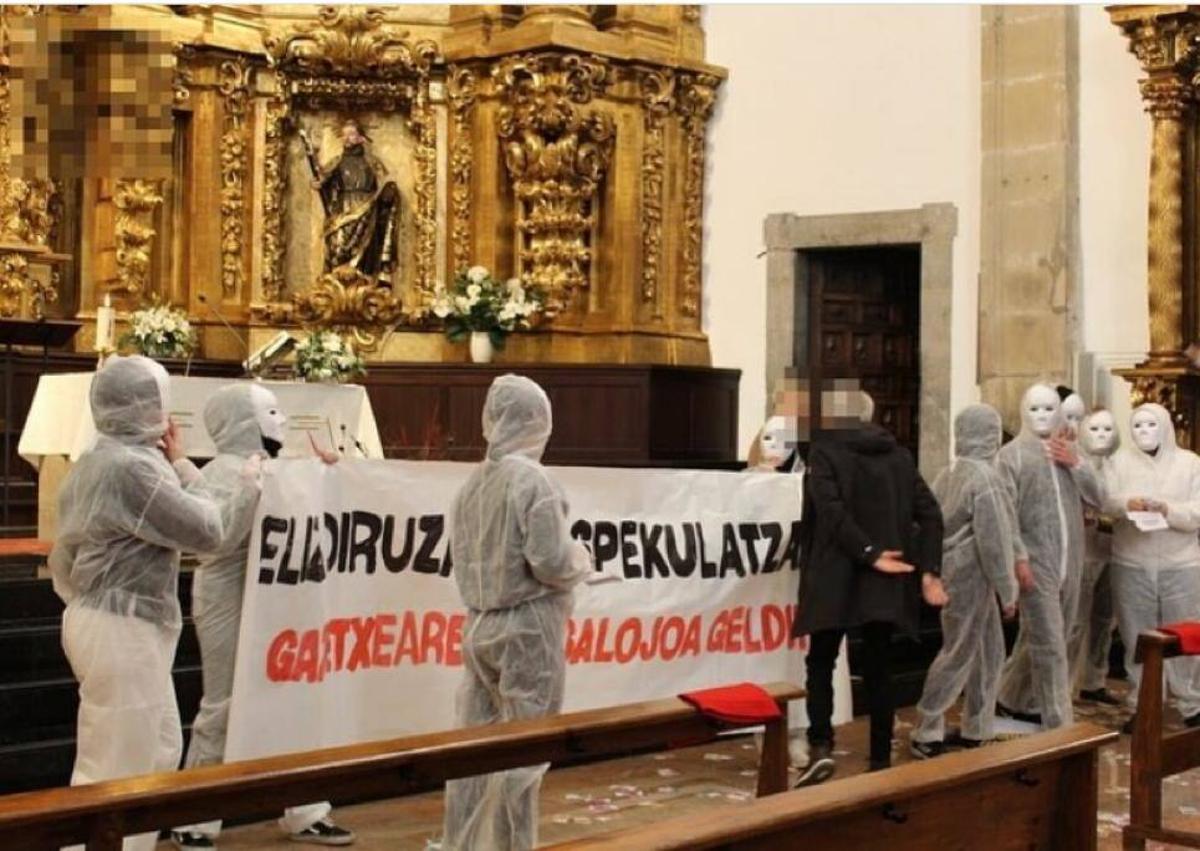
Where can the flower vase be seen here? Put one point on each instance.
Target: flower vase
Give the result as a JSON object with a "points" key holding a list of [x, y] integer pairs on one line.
{"points": [[481, 347]]}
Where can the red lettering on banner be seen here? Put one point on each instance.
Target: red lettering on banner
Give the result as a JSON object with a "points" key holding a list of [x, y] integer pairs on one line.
{"points": [[281, 656], [383, 640], [360, 656], [387, 640], [308, 660], [408, 640], [433, 628]]}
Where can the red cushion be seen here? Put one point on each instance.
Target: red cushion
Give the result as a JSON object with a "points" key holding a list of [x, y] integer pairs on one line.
{"points": [[1188, 633], [744, 703]]}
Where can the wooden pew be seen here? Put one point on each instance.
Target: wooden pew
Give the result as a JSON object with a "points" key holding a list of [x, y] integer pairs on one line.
{"points": [[1038, 792], [99, 814], [1156, 757]]}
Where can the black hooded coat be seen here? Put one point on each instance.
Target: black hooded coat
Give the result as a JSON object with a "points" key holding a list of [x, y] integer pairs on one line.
{"points": [[862, 496]]}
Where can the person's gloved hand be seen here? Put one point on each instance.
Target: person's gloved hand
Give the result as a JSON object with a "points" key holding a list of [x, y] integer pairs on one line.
{"points": [[1008, 612], [327, 455], [1062, 452], [172, 443], [1024, 576], [251, 471], [892, 561], [934, 591]]}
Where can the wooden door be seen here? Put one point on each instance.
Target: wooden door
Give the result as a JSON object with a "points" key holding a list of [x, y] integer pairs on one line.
{"points": [[863, 307]]}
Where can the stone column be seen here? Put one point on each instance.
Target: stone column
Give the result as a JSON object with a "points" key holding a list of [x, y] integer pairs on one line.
{"points": [[550, 13]]}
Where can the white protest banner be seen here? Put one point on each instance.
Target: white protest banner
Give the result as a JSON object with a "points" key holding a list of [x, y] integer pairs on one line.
{"points": [[352, 625]]}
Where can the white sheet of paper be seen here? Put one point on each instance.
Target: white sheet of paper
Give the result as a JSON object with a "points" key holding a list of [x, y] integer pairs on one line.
{"points": [[1147, 521]]}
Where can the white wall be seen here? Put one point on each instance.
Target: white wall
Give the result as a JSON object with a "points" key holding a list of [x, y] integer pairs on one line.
{"points": [[840, 109], [1114, 162], [835, 109]]}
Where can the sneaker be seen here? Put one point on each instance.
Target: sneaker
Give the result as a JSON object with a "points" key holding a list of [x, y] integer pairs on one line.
{"points": [[1099, 695], [186, 840], [820, 766], [1028, 717], [955, 739], [926, 750], [324, 832], [1192, 721]]}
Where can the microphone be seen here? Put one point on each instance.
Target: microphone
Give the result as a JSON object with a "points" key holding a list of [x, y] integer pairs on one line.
{"points": [[358, 446], [203, 299]]}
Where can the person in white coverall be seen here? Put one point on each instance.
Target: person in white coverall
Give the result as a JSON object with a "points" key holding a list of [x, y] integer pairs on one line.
{"points": [[244, 421], [1091, 638], [978, 562], [515, 565], [124, 516], [1156, 574], [1048, 484]]}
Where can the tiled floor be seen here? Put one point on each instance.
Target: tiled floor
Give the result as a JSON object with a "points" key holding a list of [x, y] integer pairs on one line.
{"points": [[621, 793]]}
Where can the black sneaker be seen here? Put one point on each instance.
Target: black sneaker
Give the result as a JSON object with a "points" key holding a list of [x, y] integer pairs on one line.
{"points": [[926, 750], [185, 840], [1099, 695], [1192, 721], [955, 739], [324, 832], [1028, 717], [820, 766]]}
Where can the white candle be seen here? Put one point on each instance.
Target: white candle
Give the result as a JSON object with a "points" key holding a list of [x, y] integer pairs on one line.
{"points": [[105, 324]]}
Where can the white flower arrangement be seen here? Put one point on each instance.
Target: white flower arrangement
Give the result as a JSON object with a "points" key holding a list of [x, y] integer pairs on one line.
{"points": [[324, 357], [160, 331], [477, 302]]}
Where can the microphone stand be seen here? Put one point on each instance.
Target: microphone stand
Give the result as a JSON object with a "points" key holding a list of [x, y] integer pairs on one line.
{"points": [[203, 299]]}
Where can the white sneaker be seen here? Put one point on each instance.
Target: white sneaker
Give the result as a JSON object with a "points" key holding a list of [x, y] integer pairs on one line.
{"points": [[324, 832]]}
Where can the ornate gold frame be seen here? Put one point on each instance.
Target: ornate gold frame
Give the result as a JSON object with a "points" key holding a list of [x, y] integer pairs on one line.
{"points": [[348, 57]]}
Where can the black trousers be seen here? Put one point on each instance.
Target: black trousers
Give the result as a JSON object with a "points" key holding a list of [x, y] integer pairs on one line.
{"points": [[877, 677]]}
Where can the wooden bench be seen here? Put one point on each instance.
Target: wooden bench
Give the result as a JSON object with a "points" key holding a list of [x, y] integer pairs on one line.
{"points": [[1038, 792], [99, 814], [1155, 757]]}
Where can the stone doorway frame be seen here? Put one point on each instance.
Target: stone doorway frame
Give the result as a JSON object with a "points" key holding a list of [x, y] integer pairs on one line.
{"points": [[932, 227]]}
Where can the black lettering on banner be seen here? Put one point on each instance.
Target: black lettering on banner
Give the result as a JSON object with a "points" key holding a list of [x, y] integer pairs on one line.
{"points": [[629, 550], [314, 561], [652, 557], [368, 546], [396, 563], [448, 561], [682, 564], [773, 532], [708, 569], [432, 525], [605, 544], [344, 541], [267, 550], [749, 533], [287, 575], [791, 553], [731, 556]]}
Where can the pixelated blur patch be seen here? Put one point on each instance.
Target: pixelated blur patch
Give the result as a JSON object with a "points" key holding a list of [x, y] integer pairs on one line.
{"points": [[94, 99]]}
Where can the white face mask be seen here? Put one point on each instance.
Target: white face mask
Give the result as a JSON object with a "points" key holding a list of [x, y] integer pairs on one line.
{"points": [[1041, 410], [1102, 432], [1073, 411], [271, 420], [1147, 435], [776, 442]]}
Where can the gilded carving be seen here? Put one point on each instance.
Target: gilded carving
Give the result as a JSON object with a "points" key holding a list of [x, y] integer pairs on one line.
{"points": [[462, 87], [233, 82], [1163, 390], [30, 211], [136, 201], [691, 14], [345, 301], [352, 41], [658, 93], [1162, 43], [696, 97], [274, 189], [556, 154], [182, 82], [350, 58]]}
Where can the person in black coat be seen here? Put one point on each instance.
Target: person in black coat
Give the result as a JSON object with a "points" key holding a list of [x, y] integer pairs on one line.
{"points": [[872, 549]]}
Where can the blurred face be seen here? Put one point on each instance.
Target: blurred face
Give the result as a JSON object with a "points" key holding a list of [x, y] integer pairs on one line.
{"points": [[351, 134], [1101, 431], [1147, 434], [1041, 410]]}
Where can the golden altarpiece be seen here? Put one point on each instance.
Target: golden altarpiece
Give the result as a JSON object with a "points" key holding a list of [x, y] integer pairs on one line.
{"points": [[168, 153]]}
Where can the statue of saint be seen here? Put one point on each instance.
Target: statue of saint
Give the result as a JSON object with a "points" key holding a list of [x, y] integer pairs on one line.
{"points": [[362, 208]]}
